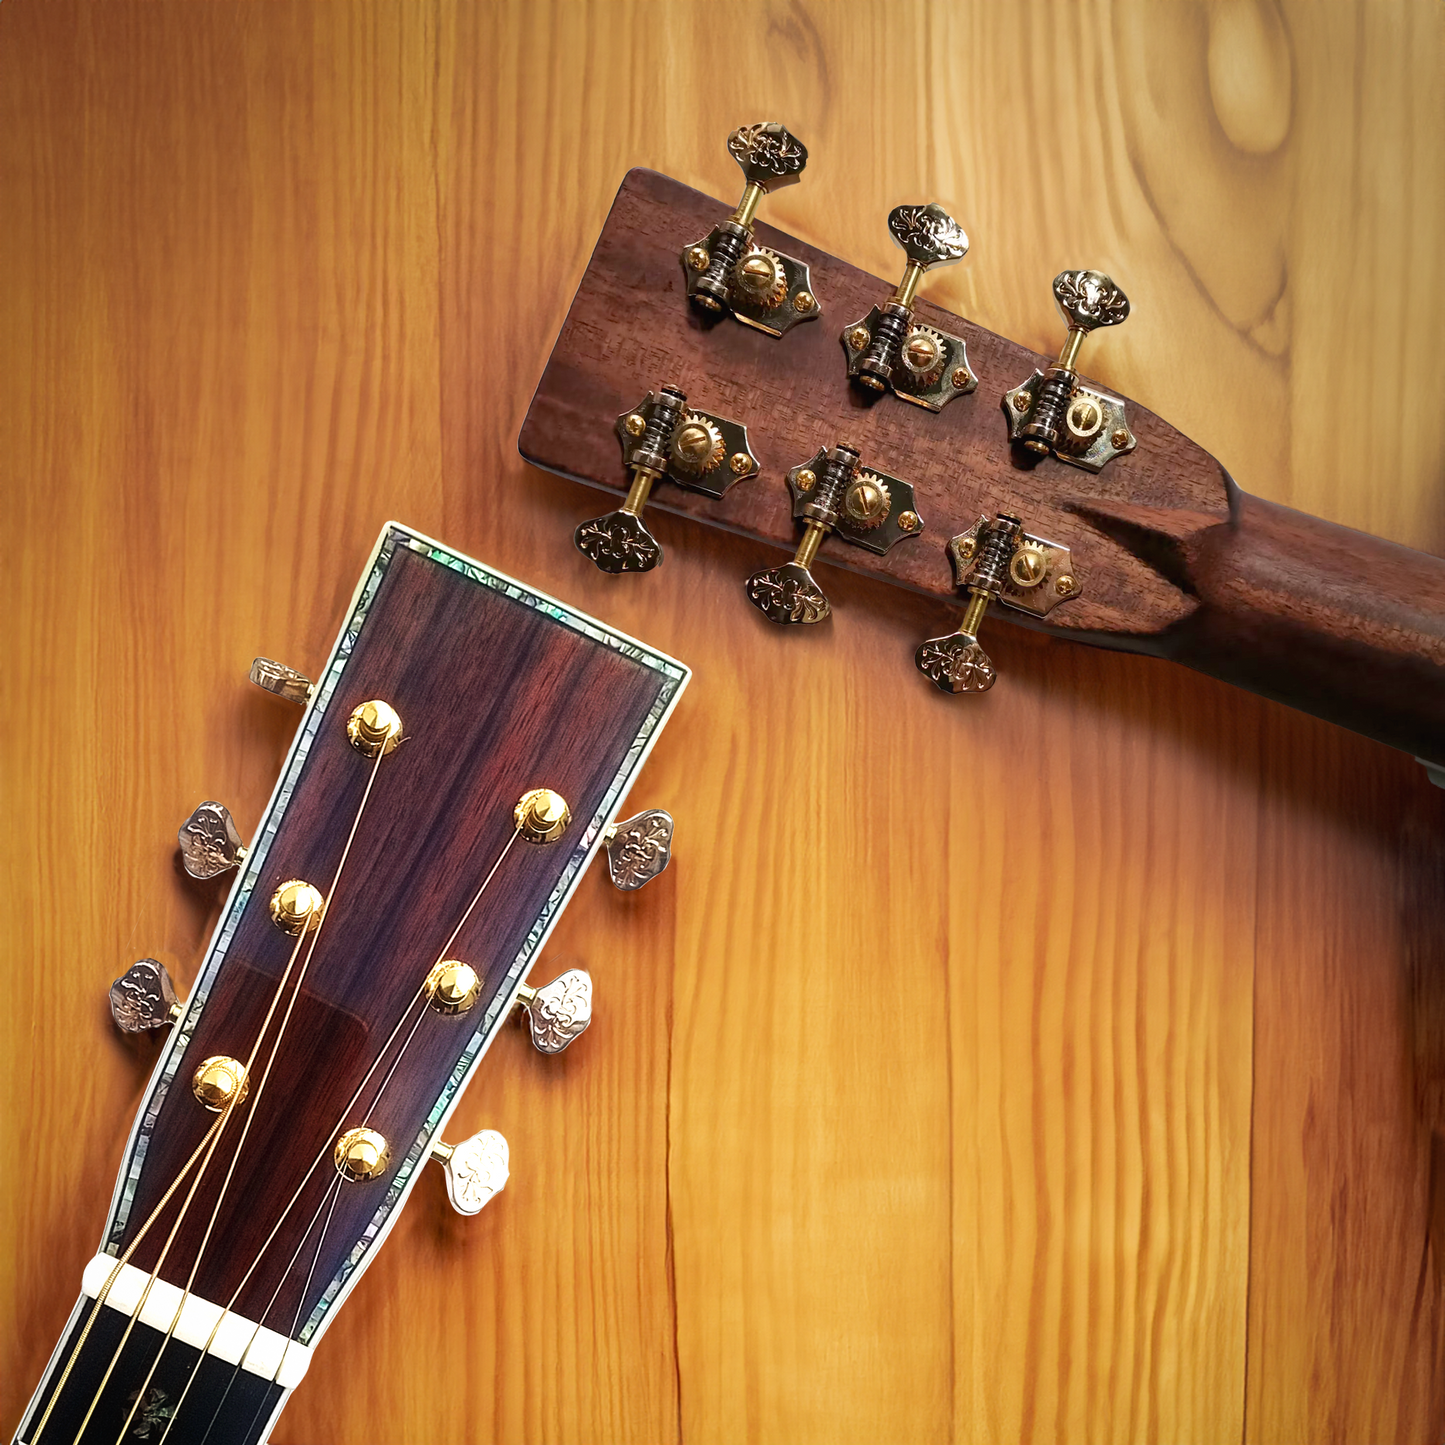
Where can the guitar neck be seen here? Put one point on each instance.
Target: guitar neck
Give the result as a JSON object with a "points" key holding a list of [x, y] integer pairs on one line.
{"points": [[1171, 558]]}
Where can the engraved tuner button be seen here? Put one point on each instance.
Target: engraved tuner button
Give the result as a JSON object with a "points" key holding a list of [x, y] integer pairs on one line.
{"points": [[557, 1013], [887, 350], [1052, 412], [638, 848], [285, 682], [143, 998], [727, 271], [662, 439], [996, 561], [476, 1170], [831, 492], [210, 844]]}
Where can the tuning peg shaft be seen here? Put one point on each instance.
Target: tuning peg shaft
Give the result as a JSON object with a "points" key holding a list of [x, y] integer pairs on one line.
{"points": [[726, 270], [831, 492], [209, 842], [557, 1013], [1051, 412], [143, 998], [638, 848], [886, 349], [476, 1170], [284, 682]]}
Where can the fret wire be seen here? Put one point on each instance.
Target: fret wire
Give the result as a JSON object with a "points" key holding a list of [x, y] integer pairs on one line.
{"points": [[315, 938]]}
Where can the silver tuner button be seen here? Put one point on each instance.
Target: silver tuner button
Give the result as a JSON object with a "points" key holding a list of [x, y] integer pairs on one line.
{"points": [[284, 681], [143, 998], [210, 844], [476, 1170], [558, 1012], [638, 849]]}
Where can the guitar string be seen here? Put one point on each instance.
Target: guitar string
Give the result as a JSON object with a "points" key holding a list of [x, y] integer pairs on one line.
{"points": [[332, 1194], [327, 1148], [114, 1275], [315, 938]]}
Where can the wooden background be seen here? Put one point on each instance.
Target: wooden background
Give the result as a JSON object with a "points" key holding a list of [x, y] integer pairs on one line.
{"points": [[1067, 1064]]}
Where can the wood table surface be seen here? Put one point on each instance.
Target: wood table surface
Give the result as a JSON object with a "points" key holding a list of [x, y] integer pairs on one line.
{"points": [[1063, 1064]]}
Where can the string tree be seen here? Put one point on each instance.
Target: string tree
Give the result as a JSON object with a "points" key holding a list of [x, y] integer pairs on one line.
{"points": [[727, 271], [476, 1170], [638, 848], [995, 560], [557, 1013], [143, 998], [1054, 413], [209, 842], [662, 438], [889, 349], [833, 492]]}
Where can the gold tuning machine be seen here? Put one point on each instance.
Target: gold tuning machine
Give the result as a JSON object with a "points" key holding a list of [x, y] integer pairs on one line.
{"points": [[557, 1013], [282, 681], [143, 998], [209, 842], [1053, 412], [888, 350], [638, 848], [727, 270], [832, 492], [662, 438], [996, 561], [476, 1170]]}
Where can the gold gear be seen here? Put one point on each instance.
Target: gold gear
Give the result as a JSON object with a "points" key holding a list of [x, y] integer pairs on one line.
{"points": [[923, 355], [697, 445], [867, 501], [759, 278]]}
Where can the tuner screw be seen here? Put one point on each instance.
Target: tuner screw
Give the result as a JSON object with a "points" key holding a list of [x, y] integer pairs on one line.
{"points": [[1021, 400], [209, 842], [361, 1154], [741, 463], [541, 815], [1120, 439], [1065, 585], [296, 907], [1027, 566], [805, 479], [726, 270], [636, 424], [557, 1013], [452, 987], [218, 1081], [476, 1170], [143, 998], [885, 350], [909, 521]]}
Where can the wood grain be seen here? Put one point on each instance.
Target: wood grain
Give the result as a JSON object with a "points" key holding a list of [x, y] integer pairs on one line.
{"points": [[1066, 1067]]}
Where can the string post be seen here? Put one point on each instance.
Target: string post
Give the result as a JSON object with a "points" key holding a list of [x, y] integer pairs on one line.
{"points": [[297, 906], [452, 986], [361, 1154], [220, 1080], [374, 728], [542, 815]]}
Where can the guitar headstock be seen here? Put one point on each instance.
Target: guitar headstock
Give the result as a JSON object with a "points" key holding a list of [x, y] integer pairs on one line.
{"points": [[463, 757]]}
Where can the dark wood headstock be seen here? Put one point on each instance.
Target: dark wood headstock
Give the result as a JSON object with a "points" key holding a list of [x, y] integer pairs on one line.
{"points": [[501, 690], [1171, 558]]}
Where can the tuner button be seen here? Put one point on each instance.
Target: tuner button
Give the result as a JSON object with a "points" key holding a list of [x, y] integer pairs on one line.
{"points": [[284, 682], [558, 1012], [476, 1170], [143, 998], [210, 844], [638, 848]]}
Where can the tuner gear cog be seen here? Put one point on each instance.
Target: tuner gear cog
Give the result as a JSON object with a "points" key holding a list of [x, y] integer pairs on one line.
{"points": [[867, 501], [759, 278], [697, 445], [922, 356]]}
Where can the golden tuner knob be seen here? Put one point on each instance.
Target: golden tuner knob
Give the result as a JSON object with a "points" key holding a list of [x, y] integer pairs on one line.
{"points": [[452, 987], [374, 728], [476, 1170], [542, 815], [361, 1154], [218, 1081], [296, 907]]}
